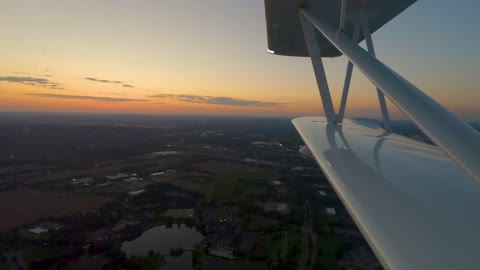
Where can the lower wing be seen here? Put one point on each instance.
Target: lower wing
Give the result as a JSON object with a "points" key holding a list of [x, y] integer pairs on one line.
{"points": [[412, 203]]}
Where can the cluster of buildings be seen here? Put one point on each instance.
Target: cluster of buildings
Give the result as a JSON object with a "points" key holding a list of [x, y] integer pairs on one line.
{"points": [[87, 181], [105, 235], [231, 245], [224, 239]]}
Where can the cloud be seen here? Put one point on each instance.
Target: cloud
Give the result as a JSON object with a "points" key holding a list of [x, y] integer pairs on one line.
{"points": [[107, 81], [218, 100], [112, 93], [31, 81], [104, 99], [101, 81]]}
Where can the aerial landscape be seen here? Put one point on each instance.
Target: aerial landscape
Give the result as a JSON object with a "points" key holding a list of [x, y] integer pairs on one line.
{"points": [[264, 135], [126, 191], [111, 191]]}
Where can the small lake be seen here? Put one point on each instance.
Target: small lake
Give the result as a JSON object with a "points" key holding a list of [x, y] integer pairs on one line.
{"points": [[161, 239]]}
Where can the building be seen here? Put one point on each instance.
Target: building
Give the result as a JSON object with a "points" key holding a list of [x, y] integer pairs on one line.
{"points": [[103, 185], [45, 226], [86, 181], [116, 176], [164, 153], [38, 230], [232, 244], [133, 179], [271, 206], [164, 173], [134, 193], [277, 183], [220, 245], [330, 211]]}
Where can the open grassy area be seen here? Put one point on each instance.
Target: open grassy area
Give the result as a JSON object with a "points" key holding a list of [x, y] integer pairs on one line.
{"points": [[232, 179], [42, 253], [220, 180], [200, 188], [321, 221], [255, 223], [4, 266], [46, 204], [227, 188], [328, 246], [286, 249], [153, 262]]}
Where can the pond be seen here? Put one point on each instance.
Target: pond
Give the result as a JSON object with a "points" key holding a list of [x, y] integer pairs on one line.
{"points": [[161, 239]]}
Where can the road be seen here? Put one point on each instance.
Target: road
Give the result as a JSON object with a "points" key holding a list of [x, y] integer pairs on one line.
{"points": [[309, 236]]}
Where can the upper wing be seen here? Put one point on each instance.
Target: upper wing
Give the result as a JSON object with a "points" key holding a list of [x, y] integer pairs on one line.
{"points": [[414, 206], [285, 34]]}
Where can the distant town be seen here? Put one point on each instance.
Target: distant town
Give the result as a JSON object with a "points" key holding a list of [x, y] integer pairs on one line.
{"points": [[146, 192]]}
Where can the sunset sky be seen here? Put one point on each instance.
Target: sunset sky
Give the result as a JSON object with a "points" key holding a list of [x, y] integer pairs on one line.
{"points": [[209, 57]]}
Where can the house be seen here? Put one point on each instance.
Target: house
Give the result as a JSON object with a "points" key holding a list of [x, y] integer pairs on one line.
{"points": [[276, 183]]}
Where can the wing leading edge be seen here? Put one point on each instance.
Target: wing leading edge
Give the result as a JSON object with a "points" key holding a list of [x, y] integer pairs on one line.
{"points": [[414, 206]]}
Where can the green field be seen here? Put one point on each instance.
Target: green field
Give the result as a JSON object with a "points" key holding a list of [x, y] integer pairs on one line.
{"points": [[255, 223], [42, 253], [227, 188], [286, 249], [4, 266], [328, 245], [232, 179]]}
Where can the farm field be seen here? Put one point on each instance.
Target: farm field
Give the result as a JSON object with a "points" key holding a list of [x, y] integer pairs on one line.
{"points": [[34, 205]]}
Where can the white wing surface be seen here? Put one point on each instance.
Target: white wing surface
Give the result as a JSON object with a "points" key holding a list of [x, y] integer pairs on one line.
{"points": [[414, 206]]}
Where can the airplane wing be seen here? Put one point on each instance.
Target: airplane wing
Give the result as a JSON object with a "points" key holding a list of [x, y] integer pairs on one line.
{"points": [[416, 204], [416, 208]]}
